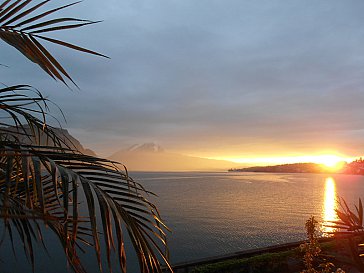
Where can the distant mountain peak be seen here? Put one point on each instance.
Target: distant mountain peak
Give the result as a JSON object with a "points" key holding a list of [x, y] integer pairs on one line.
{"points": [[146, 147], [152, 157]]}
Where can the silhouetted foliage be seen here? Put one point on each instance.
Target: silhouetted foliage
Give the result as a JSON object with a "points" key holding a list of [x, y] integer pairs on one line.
{"points": [[42, 182]]}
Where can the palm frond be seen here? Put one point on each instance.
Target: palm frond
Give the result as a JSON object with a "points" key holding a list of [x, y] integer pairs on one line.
{"points": [[20, 26], [51, 182], [349, 221], [350, 224], [47, 182], [24, 117]]}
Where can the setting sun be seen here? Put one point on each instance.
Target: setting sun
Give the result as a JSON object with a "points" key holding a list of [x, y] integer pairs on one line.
{"points": [[330, 161]]}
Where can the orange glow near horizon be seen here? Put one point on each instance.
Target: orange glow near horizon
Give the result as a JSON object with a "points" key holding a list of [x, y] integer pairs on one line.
{"points": [[330, 204], [331, 161]]}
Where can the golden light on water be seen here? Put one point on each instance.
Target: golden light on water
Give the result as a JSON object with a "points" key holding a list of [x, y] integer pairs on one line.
{"points": [[330, 204]]}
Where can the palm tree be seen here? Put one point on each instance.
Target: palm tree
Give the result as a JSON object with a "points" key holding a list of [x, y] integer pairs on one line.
{"points": [[350, 228], [42, 182]]}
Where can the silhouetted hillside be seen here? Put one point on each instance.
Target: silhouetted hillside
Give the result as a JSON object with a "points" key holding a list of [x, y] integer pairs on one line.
{"points": [[355, 167], [63, 134], [285, 168]]}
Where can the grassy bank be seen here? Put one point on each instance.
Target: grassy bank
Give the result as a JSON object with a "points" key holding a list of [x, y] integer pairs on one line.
{"points": [[289, 261], [269, 262]]}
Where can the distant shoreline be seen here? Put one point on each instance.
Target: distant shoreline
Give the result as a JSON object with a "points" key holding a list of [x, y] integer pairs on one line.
{"points": [[286, 172], [355, 167]]}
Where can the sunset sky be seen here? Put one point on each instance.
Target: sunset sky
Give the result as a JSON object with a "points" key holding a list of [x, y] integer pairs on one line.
{"points": [[228, 79]]}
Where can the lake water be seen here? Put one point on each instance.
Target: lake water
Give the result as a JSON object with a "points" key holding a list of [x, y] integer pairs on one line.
{"points": [[220, 213]]}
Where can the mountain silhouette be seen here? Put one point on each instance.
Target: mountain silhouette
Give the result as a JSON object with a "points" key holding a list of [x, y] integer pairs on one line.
{"points": [[152, 157]]}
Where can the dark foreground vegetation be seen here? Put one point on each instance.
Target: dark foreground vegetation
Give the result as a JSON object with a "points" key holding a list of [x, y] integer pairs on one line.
{"points": [[269, 263], [289, 261], [333, 259], [46, 183]]}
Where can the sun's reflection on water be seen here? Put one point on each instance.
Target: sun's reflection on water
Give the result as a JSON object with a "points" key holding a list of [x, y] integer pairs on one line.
{"points": [[330, 205]]}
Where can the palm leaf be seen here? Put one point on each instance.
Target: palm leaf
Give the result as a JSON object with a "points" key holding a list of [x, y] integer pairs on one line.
{"points": [[42, 183], [24, 112], [21, 32], [349, 221], [58, 177], [45, 182]]}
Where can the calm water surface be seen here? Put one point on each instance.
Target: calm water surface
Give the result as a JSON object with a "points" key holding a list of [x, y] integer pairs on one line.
{"points": [[219, 213]]}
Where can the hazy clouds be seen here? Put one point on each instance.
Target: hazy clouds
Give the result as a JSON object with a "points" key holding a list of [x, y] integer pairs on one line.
{"points": [[239, 77]]}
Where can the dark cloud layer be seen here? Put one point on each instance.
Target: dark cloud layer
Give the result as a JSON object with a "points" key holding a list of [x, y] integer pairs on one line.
{"points": [[240, 77]]}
